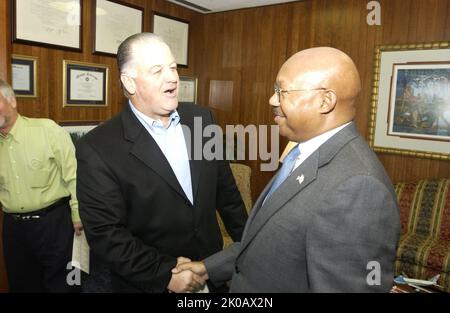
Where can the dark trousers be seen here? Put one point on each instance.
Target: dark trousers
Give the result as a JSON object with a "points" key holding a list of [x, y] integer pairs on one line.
{"points": [[37, 251]]}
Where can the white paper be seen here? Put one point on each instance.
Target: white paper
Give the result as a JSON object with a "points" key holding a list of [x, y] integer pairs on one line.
{"points": [[49, 21], [204, 290], [186, 91], [80, 252], [114, 23], [86, 85], [21, 77], [175, 34]]}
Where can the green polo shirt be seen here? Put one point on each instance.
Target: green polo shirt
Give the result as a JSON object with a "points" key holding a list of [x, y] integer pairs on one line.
{"points": [[37, 166]]}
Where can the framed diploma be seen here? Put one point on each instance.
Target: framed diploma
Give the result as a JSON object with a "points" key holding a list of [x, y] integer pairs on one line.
{"points": [[47, 23], [187, 90], [175, 33], [113, 22], [85, 84], [24, 74]]}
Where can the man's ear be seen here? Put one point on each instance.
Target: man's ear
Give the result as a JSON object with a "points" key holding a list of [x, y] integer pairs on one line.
{"points": [[14, 103], [328, 102], [128, 84]]}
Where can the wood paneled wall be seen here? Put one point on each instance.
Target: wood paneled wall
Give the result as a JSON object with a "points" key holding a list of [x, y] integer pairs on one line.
{"points": [[50, 70], [247, 47]]}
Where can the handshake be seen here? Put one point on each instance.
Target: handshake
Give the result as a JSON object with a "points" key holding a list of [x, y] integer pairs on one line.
{"points": [[188, 276]]}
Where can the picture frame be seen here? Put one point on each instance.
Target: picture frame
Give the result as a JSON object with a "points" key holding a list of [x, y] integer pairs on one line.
{"points": [[78, 129], [187, 90], [85, 84], [410, 109], [113, 22], [54, 24], [175, 33], [24, 75]]}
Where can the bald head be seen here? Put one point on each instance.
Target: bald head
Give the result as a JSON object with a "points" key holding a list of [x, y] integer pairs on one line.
{"points": [[317, 92], [328, 68]]}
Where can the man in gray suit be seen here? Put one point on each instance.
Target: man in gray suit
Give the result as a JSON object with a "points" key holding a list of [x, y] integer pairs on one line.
{"points": [[329, 220]]}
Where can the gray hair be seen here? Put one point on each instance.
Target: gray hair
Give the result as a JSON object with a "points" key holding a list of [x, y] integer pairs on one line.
{"points": [[125, 50], [6, 91]]}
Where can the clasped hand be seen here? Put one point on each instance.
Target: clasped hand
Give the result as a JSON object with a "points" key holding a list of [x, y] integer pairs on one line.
{"points": [[187, 276]]}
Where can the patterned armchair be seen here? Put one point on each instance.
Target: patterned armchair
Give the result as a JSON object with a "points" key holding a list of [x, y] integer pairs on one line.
{"points": [[242, 175], [424, 249]]}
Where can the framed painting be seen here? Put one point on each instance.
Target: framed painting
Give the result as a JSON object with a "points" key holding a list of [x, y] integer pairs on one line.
{"points": [[410, 112], [78, 129]]}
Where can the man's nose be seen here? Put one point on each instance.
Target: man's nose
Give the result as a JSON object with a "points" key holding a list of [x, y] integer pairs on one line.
{"points": [[273, 101], [171, 74]]}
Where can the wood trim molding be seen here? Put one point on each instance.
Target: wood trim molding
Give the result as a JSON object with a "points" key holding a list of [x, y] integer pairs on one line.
{"points": [[5, 74]]}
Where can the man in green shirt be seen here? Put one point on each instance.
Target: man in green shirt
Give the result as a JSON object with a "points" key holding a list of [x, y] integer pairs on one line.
{"points": [[37, 179]]}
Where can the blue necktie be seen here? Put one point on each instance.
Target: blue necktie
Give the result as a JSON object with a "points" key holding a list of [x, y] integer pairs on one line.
{"points": [[288, 165]]}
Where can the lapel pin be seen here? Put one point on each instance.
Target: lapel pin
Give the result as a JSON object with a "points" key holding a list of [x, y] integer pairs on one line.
{"points": [[300, 179]]}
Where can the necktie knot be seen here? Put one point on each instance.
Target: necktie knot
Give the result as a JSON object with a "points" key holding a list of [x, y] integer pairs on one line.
{"points": [[286, 169], [292, 155]]}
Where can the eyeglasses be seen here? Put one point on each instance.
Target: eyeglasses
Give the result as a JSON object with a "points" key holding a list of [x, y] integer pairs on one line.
{"points": [[280, 91]]}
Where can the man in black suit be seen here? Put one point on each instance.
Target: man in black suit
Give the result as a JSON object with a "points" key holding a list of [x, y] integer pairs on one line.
{"points": [[143, 201]]}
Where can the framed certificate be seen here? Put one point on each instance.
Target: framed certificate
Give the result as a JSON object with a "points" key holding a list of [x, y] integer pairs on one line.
{"points": [[47, 23], [85, 84], [113, 22], [187, 90], [24, 75], [175, 33]]}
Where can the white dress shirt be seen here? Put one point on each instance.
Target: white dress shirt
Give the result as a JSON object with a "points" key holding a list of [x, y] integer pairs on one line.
{"points": [[308, 147], [170, 140]]}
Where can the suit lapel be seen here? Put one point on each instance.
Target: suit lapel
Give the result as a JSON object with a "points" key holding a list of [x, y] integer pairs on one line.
{"points": [[302, 176], [145, 148], [296, 182], [257, 206]]}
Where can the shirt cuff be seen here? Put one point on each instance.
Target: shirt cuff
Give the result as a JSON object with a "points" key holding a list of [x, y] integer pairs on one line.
{"points": [[75, 215]]}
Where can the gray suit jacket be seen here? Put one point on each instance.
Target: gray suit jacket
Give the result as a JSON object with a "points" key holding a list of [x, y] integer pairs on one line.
{"points": [[319, 235]]}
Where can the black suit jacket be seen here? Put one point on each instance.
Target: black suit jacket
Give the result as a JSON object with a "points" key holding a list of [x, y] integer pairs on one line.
{"points": [[135, 213]]}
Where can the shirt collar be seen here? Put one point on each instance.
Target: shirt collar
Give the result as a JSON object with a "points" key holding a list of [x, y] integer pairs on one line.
{"points": [[151, 122], [308, 147], [15, 131]]}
